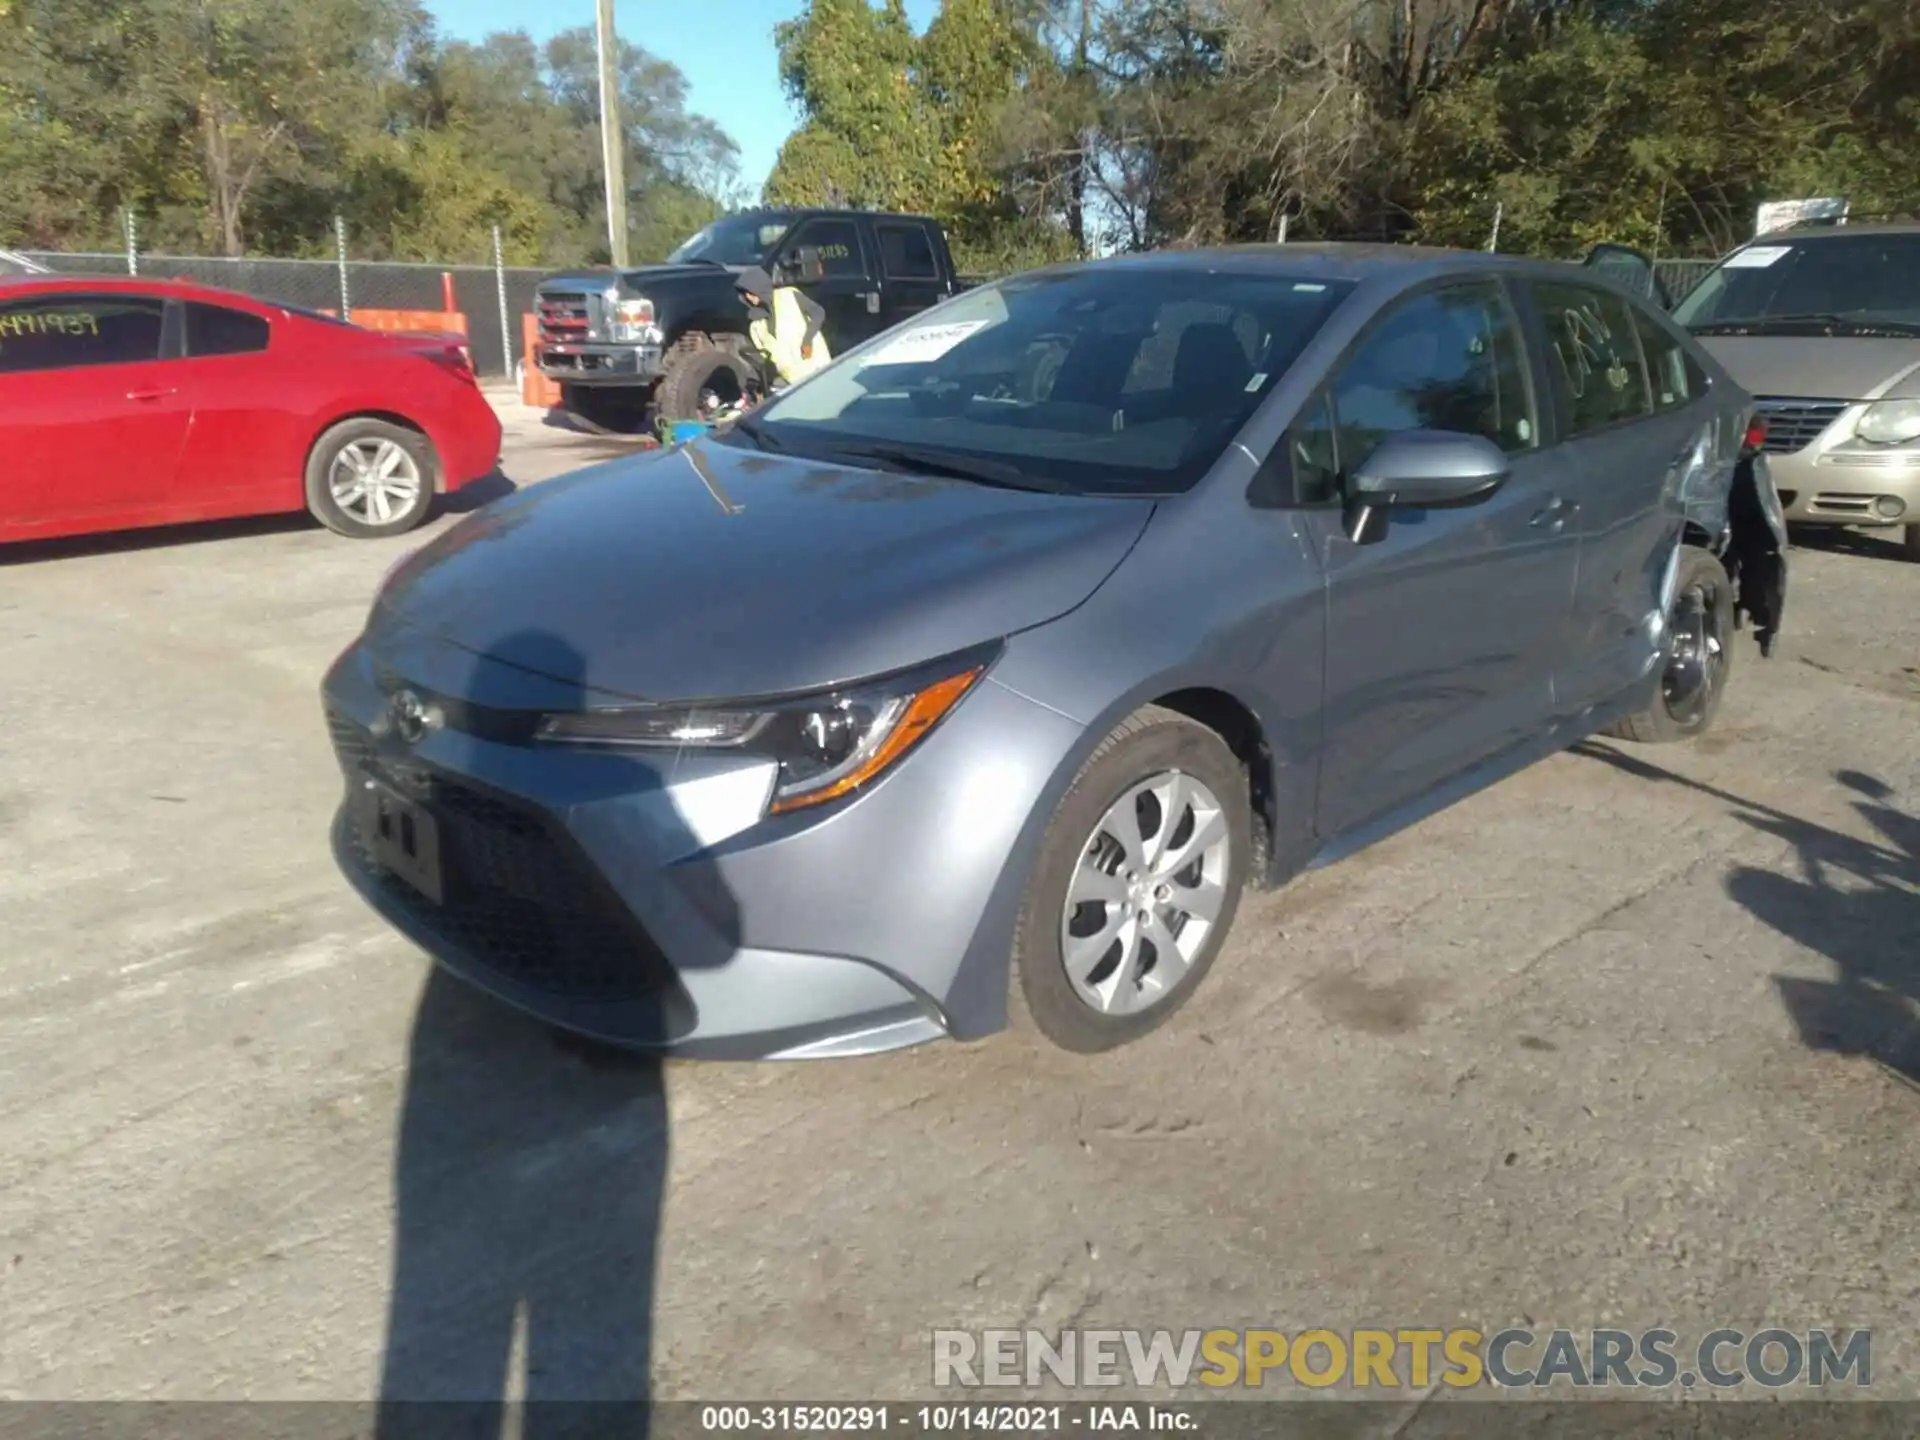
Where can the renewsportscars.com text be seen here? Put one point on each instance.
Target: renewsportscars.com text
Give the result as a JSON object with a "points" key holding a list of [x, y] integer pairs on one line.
{"points": [[1382, 1359]]}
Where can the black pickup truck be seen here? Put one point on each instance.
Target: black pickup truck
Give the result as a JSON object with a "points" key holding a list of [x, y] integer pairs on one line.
{"points": [[630, 347]]}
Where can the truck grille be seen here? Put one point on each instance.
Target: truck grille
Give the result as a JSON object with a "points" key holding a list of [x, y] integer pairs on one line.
{"points": [[568, 316], [1793, 424], [519, 899]]}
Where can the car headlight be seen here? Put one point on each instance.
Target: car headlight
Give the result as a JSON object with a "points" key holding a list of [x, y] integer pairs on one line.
{"points": [[1890, 422], [633, 320], [826, 745]]}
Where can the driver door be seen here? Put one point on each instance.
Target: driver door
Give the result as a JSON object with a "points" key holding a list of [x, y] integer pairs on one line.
{"points": [[1443, 634], [844, 286]]}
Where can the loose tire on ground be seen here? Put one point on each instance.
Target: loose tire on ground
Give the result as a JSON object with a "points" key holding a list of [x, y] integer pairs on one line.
{"points": [[696, 363], [1153, 742], [391, 449], [1701, 580]]}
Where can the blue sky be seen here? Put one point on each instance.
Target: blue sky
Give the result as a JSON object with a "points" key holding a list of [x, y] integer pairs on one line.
{"points": [[725, 50]]}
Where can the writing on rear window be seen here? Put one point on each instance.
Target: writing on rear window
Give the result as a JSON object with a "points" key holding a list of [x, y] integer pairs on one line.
{"points": [[50, 322]]}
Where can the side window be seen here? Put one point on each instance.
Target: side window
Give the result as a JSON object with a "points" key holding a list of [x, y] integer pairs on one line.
{"points": [[1314, 456], [1449, 359], [905, 252], [1595, 356], [216, 330], [838, 242], [64, 332], [1675, 377]]}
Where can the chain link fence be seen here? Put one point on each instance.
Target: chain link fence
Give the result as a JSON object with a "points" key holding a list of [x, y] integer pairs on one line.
{"points": [[492, 298]]}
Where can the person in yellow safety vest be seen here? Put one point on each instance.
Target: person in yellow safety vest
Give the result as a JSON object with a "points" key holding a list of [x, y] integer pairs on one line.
{"points": [[784, 325]]}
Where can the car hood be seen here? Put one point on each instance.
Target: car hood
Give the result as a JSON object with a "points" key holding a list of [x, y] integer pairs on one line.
{"points": [[637, 279], [712, 571], [1819, 366]]}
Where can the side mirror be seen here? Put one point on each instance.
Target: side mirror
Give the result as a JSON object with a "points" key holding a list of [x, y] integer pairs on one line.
{"points": [[1421, 470]]}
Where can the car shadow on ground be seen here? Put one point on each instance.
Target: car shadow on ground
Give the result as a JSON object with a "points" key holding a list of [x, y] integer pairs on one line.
{"points": [[476, 496], [1873, 543], [1855, 901], [529, 1177]]}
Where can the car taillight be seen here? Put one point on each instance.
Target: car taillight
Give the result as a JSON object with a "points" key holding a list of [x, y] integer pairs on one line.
{"points": [[1756, 434], [458, 359]]}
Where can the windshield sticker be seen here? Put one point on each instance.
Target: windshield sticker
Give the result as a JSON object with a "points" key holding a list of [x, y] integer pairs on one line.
{"points": [[1756, 257], [1259, 379], [1305, 289], [918, 347]]}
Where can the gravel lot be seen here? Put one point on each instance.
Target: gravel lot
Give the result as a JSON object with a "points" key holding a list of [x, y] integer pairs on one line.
{"points": [[1628, 1040]]}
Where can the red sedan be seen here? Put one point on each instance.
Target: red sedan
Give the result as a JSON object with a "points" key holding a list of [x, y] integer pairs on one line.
{"points": [[126, 403]]}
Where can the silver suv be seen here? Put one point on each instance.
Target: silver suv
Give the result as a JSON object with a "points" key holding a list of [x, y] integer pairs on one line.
{"points": [[1822, 327]]}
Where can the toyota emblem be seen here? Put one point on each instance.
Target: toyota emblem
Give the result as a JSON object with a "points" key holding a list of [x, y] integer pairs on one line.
{"points": [[412, 717]]}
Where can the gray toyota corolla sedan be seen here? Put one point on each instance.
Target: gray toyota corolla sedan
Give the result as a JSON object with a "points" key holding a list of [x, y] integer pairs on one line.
{"points": [[982, 670]]}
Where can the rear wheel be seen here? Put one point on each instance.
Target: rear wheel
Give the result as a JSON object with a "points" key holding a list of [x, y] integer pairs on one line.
{"points": [[1699, 657], [368, 478], [1138, 881]]}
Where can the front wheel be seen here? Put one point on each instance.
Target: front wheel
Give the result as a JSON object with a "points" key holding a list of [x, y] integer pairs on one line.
{"points": [[368, 478], [1138, 881], [1699, 657]]}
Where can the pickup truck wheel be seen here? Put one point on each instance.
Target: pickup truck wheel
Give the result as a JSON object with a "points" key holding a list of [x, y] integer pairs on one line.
{"points": [[367, 478], [1136, 885], [699, 363], [1698, 657]]}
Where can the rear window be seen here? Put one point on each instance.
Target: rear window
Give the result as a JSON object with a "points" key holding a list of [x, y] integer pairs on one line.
{"points": [[217, 330], [64, 332]]}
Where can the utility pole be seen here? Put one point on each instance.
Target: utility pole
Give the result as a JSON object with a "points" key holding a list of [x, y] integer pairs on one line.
{"points": [[613, 148]]}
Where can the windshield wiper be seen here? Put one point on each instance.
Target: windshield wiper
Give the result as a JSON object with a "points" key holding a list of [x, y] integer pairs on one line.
{"points": [[1762, 324], [916, 461]]}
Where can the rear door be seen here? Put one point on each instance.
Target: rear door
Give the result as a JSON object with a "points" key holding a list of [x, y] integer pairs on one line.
{"points": [[1626, 438], [92, 417], [910, 272], [244, 453], [846, 289], [1442, 635]]}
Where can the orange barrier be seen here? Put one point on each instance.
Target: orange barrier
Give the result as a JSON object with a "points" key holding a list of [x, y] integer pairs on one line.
{"points": [[535, 389], [408, 321]]}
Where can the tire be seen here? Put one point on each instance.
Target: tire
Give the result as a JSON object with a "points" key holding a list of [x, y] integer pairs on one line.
{"points": [[696, 363], [1678, 711], [385, 449], [1153, 745], [1910, 542]]}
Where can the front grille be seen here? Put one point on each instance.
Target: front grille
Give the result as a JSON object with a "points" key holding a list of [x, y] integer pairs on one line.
{"points": [[1792, 425], [567, 316], [519, 898]]}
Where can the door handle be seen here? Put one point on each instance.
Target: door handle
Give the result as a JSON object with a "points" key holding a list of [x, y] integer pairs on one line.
{"points": [[872, 297], [1555, 515], [151, 394]]}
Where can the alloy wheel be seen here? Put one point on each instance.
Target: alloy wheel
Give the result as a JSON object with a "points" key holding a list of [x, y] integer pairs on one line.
{"points": [[374, 481], [1145, 894]]}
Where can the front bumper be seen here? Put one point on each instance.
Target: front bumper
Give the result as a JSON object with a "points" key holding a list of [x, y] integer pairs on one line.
{"points": [[1832, 478], [647, 903], [584, 363]]}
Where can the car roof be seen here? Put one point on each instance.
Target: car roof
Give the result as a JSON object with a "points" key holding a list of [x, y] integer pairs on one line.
{"points": [[1330, 260], [826, 212], [13, 287], [1838, 232]]}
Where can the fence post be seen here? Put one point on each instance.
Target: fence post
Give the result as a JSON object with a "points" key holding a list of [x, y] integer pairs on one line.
{"points": [[1499, 209], [133, 247], [500, 284], [340, 251]]}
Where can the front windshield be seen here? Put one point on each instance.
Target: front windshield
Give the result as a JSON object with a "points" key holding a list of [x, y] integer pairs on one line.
{"points": [[1860, 278], [1106, 380], [738, 240]]}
